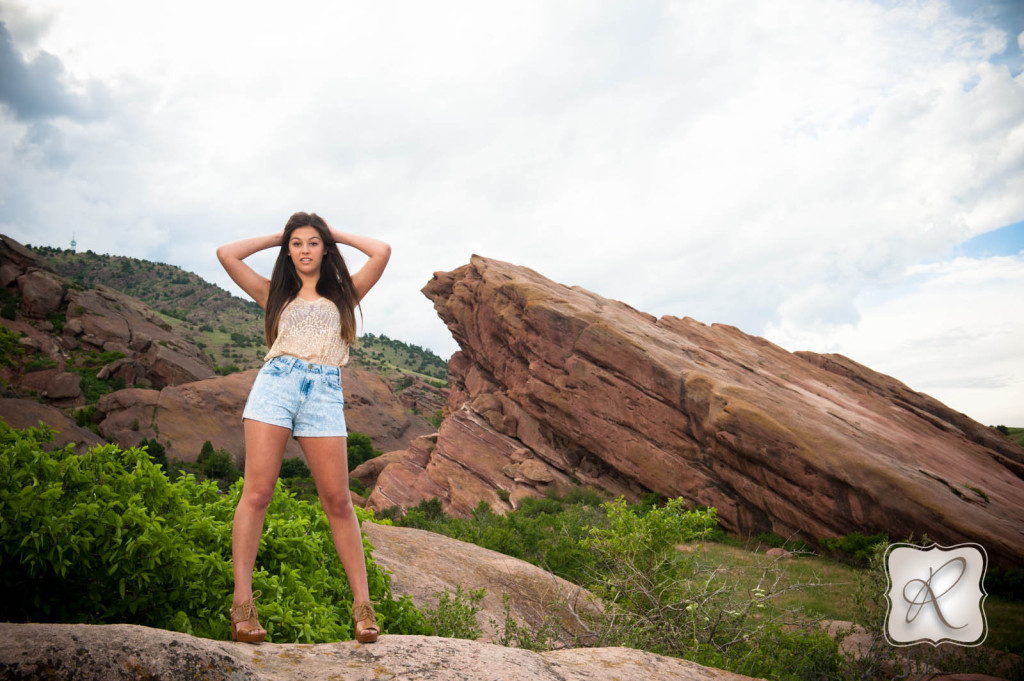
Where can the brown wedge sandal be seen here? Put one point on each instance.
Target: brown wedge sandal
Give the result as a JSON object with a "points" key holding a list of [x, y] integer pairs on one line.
{"points": [[362, 613], [246, 612]]}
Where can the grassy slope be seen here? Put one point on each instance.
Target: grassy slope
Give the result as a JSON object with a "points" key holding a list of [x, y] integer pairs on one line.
{"points": [[832, 597], [226, 327], [1017, 435]]}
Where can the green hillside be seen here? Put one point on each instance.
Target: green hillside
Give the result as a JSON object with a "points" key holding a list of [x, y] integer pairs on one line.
{"points": [[226, 327], [1015, 434]]}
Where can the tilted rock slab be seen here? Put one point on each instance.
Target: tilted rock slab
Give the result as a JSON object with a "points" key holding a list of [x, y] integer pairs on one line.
{"points": [[121, 651], [602, 394]]}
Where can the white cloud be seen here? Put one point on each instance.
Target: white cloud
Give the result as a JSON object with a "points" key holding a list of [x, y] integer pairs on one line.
{"points": [[949, 329], [761, 164]]}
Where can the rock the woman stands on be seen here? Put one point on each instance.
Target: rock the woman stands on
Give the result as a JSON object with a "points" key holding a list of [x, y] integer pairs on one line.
{"points": [[310, 302]]}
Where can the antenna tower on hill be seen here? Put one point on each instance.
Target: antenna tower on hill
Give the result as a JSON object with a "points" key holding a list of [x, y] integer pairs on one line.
{"points": [[73, 242]]}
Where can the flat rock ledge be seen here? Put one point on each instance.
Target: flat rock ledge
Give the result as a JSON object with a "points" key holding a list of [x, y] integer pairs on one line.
{"points": [[124, 651]]}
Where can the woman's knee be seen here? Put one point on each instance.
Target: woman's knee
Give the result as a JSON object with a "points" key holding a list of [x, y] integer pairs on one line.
{"points": [[337, 504], [257, 497]]}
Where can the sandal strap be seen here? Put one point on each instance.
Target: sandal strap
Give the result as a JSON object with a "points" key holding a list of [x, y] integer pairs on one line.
{"points": [[245, 610], [364, 611]]}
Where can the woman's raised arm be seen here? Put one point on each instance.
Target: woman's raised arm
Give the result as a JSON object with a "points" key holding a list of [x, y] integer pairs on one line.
{"points": [[231, 256], [370, 273]]}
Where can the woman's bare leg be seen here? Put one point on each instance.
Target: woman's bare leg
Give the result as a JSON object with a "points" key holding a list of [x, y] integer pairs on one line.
{"points": [[328, 461], [264, 449]]}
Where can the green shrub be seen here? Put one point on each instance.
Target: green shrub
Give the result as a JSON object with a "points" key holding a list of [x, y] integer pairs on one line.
{"points": [[435, 418], [294, 467], [855, 547], [39, 363], [674, 603], [541, 531], [11, 348], [360, 449], [156, 451], [8, 304], [455, 615], [105, 537], [218, 464]]}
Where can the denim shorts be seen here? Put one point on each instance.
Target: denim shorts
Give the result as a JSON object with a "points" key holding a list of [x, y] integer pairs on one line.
{"points": [[292, 393]]}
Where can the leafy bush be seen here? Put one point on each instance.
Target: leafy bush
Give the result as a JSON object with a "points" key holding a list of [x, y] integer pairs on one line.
{"points": [[360, 449], [10, 347], [156, 451], [106, 537], [855, 546], [8, 304], [294, 467], [455, 615], [545, 532], [435, 419], [217, 463], [673, 603]]}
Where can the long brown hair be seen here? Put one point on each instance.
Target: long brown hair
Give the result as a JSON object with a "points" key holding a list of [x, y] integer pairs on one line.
{"points": [[335, 283]]}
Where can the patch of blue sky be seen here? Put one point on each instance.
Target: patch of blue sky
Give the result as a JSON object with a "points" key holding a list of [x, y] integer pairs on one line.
{"points": [[1008, 240], [1007, 15]]}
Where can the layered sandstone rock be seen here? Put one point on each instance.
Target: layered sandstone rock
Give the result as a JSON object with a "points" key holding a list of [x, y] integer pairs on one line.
{"points": [[603, 394], [120, 651]]}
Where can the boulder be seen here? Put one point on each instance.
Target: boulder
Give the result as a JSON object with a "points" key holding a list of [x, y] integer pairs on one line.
{"points": [[63, 386], [53, 385], [110, 321], [41, 293], [463, 465], [123, 651], [16, 260], [423, 564], [801, 445], [26, 414]]}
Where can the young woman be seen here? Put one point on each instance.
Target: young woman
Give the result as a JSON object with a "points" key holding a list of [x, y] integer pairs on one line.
{"points": [[310, 303]]}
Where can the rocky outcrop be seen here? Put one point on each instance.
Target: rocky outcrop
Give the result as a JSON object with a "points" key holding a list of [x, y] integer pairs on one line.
{"points": [[120, 651], [423, 564], [111, 321], [185, 416], [599, 393], [27, 414], [61, 321]]}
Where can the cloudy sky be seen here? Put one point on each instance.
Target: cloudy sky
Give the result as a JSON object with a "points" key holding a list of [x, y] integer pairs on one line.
{"points": [[835, 175]]}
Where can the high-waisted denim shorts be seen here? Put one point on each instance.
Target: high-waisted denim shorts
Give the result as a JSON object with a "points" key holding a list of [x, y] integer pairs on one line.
{"points": [[307, 398]]}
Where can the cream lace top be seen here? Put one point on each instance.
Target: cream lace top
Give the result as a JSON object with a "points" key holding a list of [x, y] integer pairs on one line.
{"points": [[310, 331]]}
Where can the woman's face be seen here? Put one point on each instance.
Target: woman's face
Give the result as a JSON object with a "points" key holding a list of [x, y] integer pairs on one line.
{"points": [[306, 249]]}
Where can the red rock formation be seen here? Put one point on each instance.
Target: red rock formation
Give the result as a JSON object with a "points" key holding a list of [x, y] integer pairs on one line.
{"points": [[606, 395], [26, 414], [184, 416], [100, 319]]}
